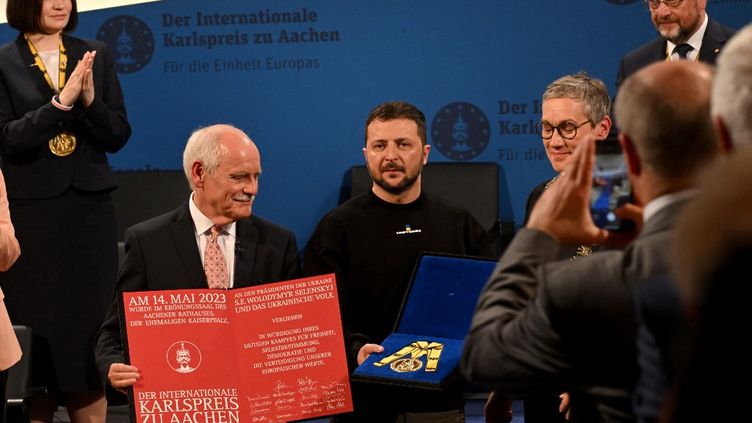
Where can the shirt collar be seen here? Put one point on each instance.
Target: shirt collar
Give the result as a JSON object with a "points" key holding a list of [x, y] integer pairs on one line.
{"points": [[660, 203], [695, 41], [202, 224]]}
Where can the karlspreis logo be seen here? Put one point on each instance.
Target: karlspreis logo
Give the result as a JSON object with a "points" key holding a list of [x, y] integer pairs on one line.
{"points": [[131, 41], [460, 131]]}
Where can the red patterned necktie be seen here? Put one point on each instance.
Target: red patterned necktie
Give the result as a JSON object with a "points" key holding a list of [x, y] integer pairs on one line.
{"points": [[214, 262]]}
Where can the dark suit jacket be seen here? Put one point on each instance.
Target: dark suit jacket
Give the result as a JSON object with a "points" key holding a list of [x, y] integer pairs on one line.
{"points": [[28, 120], [715, 37], [661, 344], [554, 326], [161, 253]]}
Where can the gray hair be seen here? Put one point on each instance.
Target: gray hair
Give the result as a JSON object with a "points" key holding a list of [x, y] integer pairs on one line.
{"points": [[591, 92], [732, 89], [203, 146]]}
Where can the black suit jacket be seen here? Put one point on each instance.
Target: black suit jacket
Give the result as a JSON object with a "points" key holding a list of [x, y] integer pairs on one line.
{"points": [[28, 120], [715, 37], [161, 253]]}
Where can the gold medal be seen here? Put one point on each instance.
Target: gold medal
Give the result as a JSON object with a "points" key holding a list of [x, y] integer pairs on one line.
{"points": [[404, 365], [63, 144], [415, 350]]}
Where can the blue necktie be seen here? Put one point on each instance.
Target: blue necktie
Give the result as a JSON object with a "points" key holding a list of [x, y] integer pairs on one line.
{"points": [[682, 50]]}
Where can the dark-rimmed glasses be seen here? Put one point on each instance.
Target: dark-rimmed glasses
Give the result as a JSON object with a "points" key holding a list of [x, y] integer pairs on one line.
{"points": [[567, 129], [653, 4]]}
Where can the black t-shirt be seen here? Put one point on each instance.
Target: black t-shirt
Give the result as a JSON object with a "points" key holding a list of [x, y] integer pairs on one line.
{"points": [[372, 246]]}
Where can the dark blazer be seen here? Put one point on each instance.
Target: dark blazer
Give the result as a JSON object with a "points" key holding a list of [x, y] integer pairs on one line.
{"points": [[28, 120], [715, 37], [161, 253], [532, 198], [554, 326], [661, 344]]}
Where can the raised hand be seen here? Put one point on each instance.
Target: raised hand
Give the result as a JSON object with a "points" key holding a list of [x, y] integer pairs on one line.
{"points": [[75, 84], [87, 87]]}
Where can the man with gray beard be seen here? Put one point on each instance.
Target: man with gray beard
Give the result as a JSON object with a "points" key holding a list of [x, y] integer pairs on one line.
{"points": [[686, 32]]}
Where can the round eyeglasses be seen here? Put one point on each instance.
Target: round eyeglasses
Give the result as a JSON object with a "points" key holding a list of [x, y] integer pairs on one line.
{"points": [[567, 129]]}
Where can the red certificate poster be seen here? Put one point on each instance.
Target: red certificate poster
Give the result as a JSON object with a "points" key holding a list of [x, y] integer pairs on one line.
{"points": [[268, 353]]}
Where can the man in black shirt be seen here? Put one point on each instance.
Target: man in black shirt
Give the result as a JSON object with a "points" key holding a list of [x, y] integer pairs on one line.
{"points": [[372, 241]]}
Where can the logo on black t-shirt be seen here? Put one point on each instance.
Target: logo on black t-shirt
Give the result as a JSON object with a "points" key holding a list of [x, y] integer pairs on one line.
{"points": [[408, 230]]}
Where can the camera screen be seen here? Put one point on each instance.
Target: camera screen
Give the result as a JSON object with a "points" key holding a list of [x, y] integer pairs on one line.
{"points": [[611, 186]]}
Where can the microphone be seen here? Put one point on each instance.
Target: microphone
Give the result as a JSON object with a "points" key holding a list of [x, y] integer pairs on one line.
{"points": [[239, 249]]}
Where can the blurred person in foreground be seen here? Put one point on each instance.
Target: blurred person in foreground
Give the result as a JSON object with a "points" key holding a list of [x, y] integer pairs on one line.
{"points": [[712, 254], [10, 350]]}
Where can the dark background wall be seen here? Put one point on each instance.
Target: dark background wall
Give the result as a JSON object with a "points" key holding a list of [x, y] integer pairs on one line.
{"points": [[302, 90]]}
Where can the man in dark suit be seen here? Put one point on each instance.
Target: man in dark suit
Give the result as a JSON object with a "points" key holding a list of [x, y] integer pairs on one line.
{"points": [[167, 252], [679, 22], [543, 325]]}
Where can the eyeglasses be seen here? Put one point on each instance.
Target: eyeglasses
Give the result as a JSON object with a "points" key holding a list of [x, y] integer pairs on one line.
{"points": [[567, 130], [653, 4]]}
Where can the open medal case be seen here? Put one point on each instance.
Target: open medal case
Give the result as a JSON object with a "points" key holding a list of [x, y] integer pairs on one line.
{"points": [[425, 348]]}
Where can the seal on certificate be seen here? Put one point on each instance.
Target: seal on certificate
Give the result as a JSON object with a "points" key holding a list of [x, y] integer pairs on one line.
{"points": [[183, 357]]}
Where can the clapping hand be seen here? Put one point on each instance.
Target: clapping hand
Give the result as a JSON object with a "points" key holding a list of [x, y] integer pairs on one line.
{"points": [[80, 84]]}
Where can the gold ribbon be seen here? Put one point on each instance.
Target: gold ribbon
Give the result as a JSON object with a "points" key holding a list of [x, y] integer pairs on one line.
{"points": [[415, 350], [64, 143]]}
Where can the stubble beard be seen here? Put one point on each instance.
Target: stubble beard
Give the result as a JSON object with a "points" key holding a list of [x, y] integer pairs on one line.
{"points": [[406, 183]]}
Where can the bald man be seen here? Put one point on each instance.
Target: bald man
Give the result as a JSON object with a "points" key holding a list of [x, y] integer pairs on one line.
{"points": [[222, 166], [548, 326]]}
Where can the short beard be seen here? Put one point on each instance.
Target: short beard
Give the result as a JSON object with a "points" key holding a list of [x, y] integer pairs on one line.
{"points": [[678, 37], [403, 186]]}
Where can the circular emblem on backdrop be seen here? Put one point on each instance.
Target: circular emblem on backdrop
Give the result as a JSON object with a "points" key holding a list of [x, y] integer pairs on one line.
{"points": [[460, 131], [183, 357], [131, 42], [622, 2]]}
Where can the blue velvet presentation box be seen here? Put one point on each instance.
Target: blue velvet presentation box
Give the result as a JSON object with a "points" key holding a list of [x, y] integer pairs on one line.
{"points": [[424, 349]]}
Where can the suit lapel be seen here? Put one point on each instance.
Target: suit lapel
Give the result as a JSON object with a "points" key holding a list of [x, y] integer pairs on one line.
{"points": [[75, 52], [184, 237], [712, 42], [658, 52], [246, 237], [37, 77]]}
